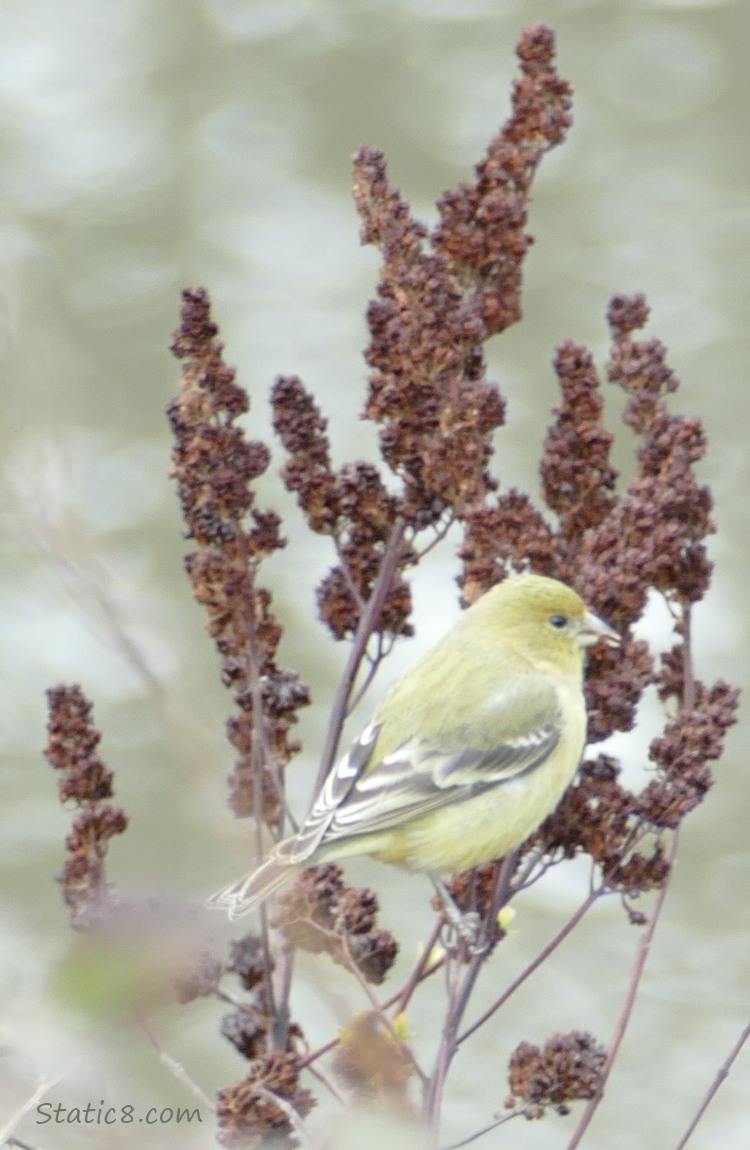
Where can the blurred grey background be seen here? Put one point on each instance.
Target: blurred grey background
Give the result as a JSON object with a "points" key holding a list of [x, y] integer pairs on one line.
{"points": [[146, 145]]}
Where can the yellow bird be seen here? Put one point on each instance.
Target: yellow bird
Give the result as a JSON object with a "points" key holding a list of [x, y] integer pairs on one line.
{"points": [[470, 750]]}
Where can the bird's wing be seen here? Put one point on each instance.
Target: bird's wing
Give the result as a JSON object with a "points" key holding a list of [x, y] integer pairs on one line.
{"points": [[360, 797]]}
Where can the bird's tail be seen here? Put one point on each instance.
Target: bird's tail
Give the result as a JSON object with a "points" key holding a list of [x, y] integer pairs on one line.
{"points": [[249, 891]]}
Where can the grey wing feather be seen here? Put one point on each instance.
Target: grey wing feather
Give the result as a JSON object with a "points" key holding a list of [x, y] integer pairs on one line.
{"points": [[411, 781], [416, 779], [332, 795]]}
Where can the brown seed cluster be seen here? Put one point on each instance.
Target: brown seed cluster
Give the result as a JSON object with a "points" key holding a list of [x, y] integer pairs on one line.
{"points": [[72, 749], [441, 295], [566, 1069], [654, 537], [601, 818], [257, 1108], [320, 912], [608, 822], [482, 224], [351, 505], [682, 754], [578, 479], [616, 549], [613, 548], [427, 389], [215, 466]]}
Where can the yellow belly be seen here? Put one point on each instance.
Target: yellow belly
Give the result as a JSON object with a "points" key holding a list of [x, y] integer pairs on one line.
{"points": [[474, 832]]}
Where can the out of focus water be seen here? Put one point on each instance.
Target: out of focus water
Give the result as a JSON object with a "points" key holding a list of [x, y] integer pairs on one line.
{"points": [[145, 146]]}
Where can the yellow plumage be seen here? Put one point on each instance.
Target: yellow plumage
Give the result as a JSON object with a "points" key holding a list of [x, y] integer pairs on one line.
{"points": [[470, 750]]}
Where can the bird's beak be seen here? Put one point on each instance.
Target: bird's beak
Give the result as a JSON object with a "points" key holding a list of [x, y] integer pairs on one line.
{"points": [[594, 630]]}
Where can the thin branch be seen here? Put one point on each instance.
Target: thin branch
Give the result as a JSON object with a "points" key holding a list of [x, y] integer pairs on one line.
{"points": [[175, 1068], [351, 582], [441, 530], [524, 877], [306, 1062], [688, 686], [43, 1088], [294, 1118], [721, 1074], [231, 999], [459, 995], [486, 1129], [245, 627], [688, 703], [543, 955], [434, 1095], [632, 992], [325, 1079], [422, 969], [372, 671], [367, 623], [284, 957], [379, 1008]]}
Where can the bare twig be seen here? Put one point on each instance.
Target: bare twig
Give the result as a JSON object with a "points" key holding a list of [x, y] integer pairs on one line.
{"points": [[281, 987], [289, 1111], [43, 1088], [543, 955], [325, 1079], [367, 623], [688, 702], [422, 969], [627, 1010], [379, 1009], [175, 1068], [441, 530], [375, 661], [519, 1110], [245, 624], [721, 1074], [459, 995], [308, 1060]]}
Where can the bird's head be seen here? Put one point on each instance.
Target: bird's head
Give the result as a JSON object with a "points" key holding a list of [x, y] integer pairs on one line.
{"points": [[545, 616]]}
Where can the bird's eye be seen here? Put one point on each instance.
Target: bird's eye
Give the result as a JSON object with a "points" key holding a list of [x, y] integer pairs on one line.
{"points": [[559, 621]]}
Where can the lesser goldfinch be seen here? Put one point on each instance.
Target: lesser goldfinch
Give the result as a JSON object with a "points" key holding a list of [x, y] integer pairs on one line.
{"points": [[470, 750]]}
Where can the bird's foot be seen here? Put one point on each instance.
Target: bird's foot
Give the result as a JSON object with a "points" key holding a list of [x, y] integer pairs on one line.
{"points": [[462, 928]]}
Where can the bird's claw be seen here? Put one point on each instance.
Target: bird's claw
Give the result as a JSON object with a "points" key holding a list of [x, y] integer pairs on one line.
{"points": [[464, 929]]}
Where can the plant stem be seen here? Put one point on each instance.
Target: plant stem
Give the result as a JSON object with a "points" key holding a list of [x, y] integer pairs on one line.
{"points": [[459, 995], [721, 1074], [368, 621], [632, 992], [540, 958]]}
